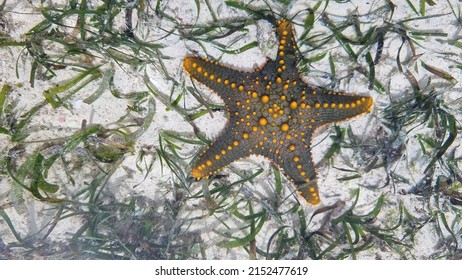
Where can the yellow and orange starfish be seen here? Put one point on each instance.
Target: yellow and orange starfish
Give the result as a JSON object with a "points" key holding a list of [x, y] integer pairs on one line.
{"points": [[272, 112]]}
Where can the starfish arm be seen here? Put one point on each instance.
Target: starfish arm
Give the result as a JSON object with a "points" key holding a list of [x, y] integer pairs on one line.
{"points": [[293, 157], [287, 56], [223, 80], [334, 107], [225, 149]]}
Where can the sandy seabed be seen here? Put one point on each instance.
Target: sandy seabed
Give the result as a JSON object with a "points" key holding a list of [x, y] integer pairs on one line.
{"points": [[403, 158]]}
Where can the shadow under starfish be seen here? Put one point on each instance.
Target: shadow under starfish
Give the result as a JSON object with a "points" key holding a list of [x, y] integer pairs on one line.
{"points": [[272, 112]]}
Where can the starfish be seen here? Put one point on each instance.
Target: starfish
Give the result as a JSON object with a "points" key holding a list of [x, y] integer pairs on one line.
{"points": [[272, 112]]}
